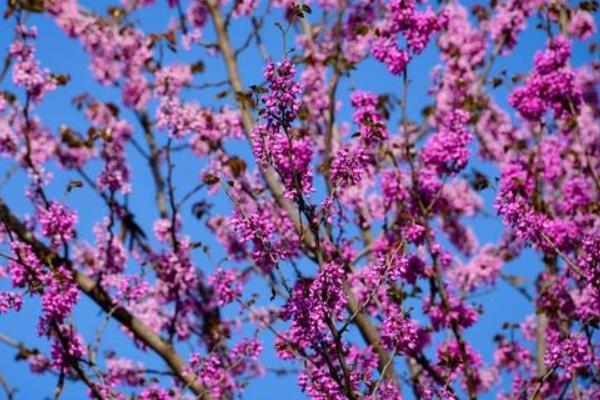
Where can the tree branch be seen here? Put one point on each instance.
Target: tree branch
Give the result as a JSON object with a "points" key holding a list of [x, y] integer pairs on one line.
{"points": [[367, 330], [88, 286]]}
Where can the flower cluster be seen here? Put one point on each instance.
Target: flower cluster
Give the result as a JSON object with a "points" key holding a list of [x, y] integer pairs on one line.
{"points": [[170, 80], [416, 27], [315, 303], [109, 255], [276, 143], [552, 85], [448, 150], [482, 269], [58, 223], [10, 300], [38, 82], [59, 298], [282, 103], [582, 25], [402, 335], [116, 133], [226, 286], [67, 349], [350, 165], [571, 353], [509, 20], [366, 116]]}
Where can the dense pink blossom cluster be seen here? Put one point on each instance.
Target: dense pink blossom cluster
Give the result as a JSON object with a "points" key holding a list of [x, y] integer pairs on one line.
{"points": [[448, 150], [226, 286], [67, 347], [58, 223], [282, 104], [275, 143], [552, 85], [27, 72], [510, 20], [416, 27], [582, 25], [402, 335], [10, 301], [313, 305], [366, 116]]}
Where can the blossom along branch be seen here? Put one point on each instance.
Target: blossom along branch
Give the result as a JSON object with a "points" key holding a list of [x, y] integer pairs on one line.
{"points": [[337, 226], [367, 331], [101, 298]]}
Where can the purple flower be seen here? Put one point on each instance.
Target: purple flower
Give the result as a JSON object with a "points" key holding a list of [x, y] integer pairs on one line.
{"points": [[58, 223], [226, 286]]}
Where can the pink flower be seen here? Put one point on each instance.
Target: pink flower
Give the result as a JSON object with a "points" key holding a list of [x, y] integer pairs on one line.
{"points": [[58, 223], [244, 8], [226, 286], [402, 335], [482, 269], [10, 300], [552, 85], [67, 348], [171, 79], [59, 299], [582, 25], [448, 150], [28, 73]]}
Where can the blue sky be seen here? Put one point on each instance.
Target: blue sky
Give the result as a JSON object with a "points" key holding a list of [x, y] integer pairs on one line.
{"points": [[64, 55]]}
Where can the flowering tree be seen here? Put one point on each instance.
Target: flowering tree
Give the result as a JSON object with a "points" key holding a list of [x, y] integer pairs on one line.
{"points": [[344, 241]]}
